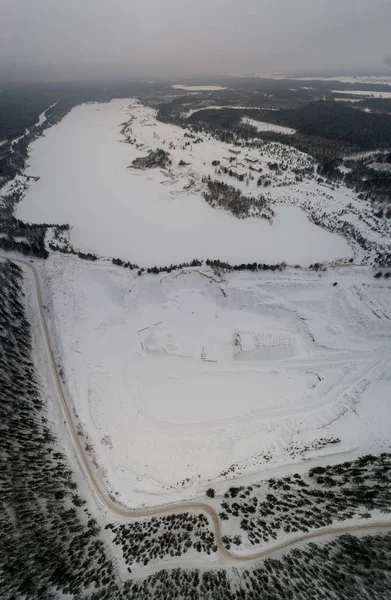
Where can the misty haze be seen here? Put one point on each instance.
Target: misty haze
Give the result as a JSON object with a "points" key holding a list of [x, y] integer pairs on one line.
{"points": [[195, 284], [101, 39]]}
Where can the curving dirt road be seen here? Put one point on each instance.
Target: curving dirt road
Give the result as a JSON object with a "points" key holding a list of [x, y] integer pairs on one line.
{"points": [[101, 493]]}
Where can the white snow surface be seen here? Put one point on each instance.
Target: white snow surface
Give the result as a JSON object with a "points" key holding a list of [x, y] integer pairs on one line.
{"points": [[214, 107], [42, 117], [373, 79], [153, 216], [263, 126], [198, 88], [181, 380], [363, 93], [352, 100]]}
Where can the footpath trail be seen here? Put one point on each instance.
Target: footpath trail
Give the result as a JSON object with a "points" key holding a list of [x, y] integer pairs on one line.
{"points": [[226, 557]]}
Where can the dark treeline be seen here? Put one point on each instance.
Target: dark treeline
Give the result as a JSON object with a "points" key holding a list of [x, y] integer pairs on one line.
{"points": [[68, 249], [336, 121], [33, 246], [371, 184], [381, 105], [295, 503], [331, 120], [33, 243], [322, 127], [155, 270], [159, 537], [224, 124], [13, 158], [47, 542], [155, 158], [214, 264], [21, 106], [347, 567], [221, 265], [18, 236]]}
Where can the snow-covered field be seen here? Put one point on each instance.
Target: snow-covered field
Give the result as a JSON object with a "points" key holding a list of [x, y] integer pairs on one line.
{"points": [[343, 99], [198, 88], [182, 379], [159, 216], [263, 126], [374, 79], [213, 107], [385, 167], [363, 93]]}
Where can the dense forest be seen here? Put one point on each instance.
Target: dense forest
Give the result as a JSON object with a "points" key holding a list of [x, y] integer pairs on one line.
{"points": [[350, 127], [47, 541], [347, 567], [336, 121]]}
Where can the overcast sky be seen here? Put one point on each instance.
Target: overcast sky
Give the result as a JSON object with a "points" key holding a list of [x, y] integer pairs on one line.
{"points": [[64, 39]]}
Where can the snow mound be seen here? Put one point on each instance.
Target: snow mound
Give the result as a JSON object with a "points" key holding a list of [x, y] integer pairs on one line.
{"points": [[264, 345]]}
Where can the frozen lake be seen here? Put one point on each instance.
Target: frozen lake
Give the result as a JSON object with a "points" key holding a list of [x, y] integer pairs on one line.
{"points": [[147, 217]]}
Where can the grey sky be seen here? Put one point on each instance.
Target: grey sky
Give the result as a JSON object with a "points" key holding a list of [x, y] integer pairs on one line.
{"points": [[64, 39]]}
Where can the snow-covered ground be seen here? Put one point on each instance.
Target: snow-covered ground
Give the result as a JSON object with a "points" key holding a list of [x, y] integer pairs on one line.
{"points": [[363, 93], [159, 216], [195, 110], [181, 380], [42, 117], [385, 167], [373, 79], [263, 126], [198, 88]]}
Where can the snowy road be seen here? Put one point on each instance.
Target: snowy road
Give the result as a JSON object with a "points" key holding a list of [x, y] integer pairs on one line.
{"points": [[226, 557]]}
